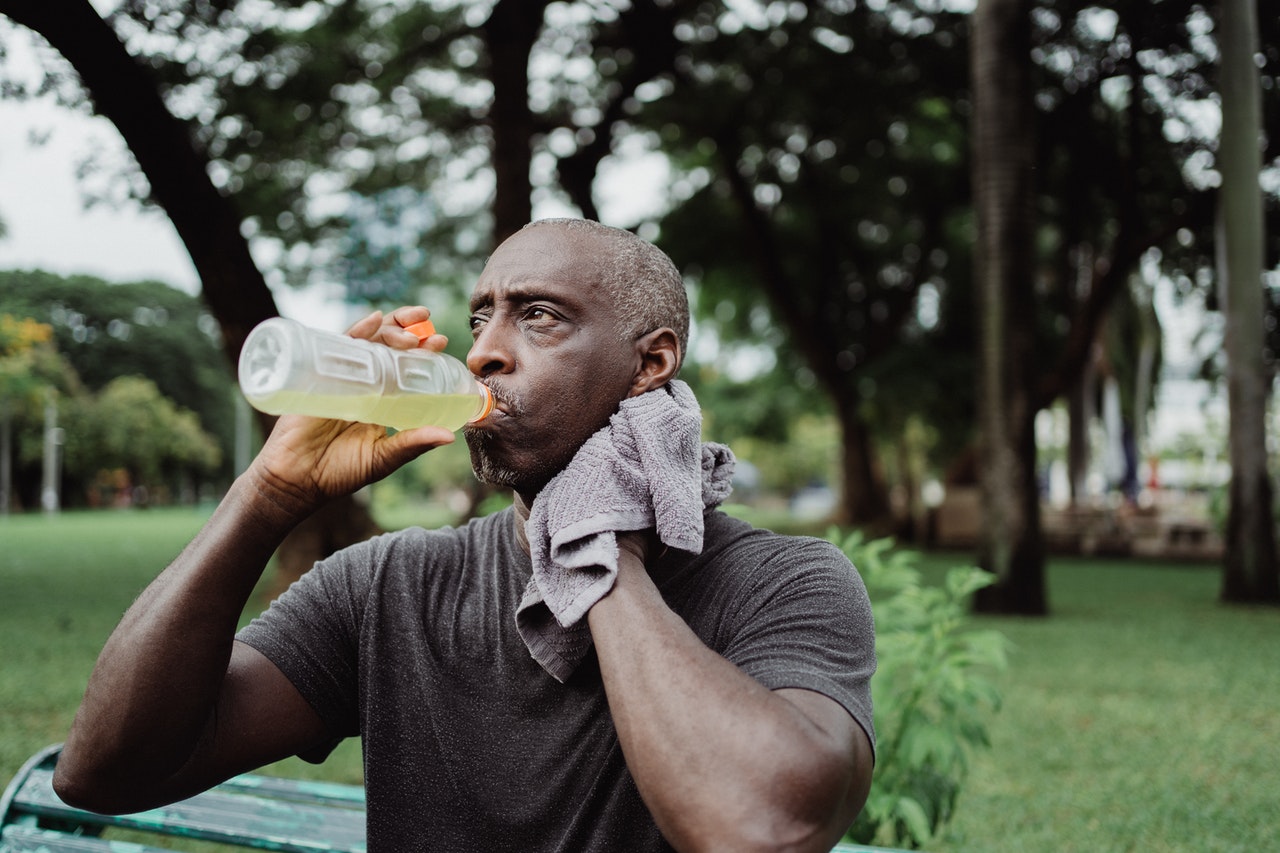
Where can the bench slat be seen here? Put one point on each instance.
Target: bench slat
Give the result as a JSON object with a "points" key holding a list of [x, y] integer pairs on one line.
{"points": [[297, 790], [17, 838], [218, 815]]}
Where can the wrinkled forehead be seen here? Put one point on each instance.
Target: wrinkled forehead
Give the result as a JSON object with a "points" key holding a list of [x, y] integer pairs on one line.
{"points": [[547, 257]]}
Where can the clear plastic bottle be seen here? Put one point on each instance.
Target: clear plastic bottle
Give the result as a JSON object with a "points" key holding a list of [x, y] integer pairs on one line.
{"points": [[289, 368]]}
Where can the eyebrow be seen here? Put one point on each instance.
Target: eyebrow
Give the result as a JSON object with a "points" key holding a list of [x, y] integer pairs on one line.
{"points": [[523, 292]]}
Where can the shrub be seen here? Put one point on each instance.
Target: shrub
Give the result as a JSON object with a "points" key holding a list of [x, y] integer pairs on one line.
{"points": [[933, 691]]}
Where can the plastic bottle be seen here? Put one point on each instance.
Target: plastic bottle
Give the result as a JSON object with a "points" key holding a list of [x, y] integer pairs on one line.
{"points": [[289, 368]]}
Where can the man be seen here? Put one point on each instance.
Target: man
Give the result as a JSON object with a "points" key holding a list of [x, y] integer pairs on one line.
{"points": [[725, 704]]}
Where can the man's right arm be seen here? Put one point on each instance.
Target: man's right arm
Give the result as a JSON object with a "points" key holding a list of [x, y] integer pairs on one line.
{"points": [[174, 703]]}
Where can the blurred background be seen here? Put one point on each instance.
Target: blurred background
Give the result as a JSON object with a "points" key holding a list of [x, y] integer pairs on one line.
{"points": [[997, 279]]}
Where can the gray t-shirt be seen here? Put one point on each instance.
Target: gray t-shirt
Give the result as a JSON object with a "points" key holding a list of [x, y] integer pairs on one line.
{"points": [[409, 641]]}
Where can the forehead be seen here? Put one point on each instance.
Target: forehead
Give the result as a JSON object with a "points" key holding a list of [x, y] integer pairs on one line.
{"points": [[546, 260]]}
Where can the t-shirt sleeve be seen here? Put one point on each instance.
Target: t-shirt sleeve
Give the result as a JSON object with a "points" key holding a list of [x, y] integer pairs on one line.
{"points": [[311, 632], [803, 619]]}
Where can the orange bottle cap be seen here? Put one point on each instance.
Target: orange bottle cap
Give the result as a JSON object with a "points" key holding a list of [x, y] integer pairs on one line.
{"points": [[423, 329], [486, 406]]}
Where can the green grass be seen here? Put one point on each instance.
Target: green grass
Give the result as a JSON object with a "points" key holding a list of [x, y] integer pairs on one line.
{"points": [[64, 583], [1142, 715]]}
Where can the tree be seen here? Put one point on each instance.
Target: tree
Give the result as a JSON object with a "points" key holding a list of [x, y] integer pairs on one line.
{"points": [[136, 328], [123, 91], [1112, 183], [30, 369], [131, 426], [811, 222], [820, 156], [815, 224], [1250, 571], [177, 173], [1003, 174]]}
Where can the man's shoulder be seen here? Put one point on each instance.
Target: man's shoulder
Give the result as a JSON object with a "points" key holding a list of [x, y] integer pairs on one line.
{"points": [[728, 533]]}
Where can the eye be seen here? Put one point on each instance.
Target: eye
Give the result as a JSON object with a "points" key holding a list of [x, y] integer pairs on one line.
{"points": [[539, 314], [476, 321]]}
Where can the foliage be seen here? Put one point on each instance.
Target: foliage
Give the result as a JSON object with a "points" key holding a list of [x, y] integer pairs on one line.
{"points": [[33, 374], [30, 363], [148, 329], [806, 459], [130, 425], [932, 690], [18, 334]]}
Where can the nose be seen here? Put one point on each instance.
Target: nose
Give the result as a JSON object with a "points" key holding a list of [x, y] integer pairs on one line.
{"points": [[490, 352]]}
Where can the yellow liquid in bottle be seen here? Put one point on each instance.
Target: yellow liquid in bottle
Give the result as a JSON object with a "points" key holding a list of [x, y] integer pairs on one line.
{"points": [[404, 411]]}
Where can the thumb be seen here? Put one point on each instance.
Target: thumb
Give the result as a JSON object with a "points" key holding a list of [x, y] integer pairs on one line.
{"points": [[409, 444]]}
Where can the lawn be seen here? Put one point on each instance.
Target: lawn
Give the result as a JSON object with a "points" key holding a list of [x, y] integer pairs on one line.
{"points": [[65, 582], [1141, 715]]}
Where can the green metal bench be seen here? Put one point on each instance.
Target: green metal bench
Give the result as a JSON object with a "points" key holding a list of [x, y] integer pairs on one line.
{"points": [[250, 811]]}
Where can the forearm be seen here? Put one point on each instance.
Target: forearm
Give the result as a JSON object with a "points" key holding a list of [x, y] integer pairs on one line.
{"points": [[173, 703], [717, 756], [153, 692]]}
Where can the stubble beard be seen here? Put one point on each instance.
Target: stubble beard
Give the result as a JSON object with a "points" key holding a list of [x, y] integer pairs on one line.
{"points": [[486, 468], [490, 468], [486, 452]]}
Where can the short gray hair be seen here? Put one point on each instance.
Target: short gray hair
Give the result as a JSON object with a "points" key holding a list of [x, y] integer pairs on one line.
{"points": [[643, 282]]}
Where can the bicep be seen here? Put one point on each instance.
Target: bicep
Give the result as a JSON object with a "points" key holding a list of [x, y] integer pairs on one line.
{"points": [[848, 756], [260, 718]]}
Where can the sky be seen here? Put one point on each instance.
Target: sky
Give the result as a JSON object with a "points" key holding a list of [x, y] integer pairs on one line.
{"points": [[49, 228]]}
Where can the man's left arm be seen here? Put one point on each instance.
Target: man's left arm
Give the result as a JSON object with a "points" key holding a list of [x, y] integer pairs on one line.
{"points": [[721, 761]]}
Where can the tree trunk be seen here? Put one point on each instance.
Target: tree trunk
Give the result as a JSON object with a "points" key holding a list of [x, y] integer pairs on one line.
{"points": [[1250, 569], [864, 498], [1080, 412], [1011, 546], [124, 92], [509, 33]]}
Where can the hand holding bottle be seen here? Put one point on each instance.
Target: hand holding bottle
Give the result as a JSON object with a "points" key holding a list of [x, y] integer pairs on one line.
{"points": [[307, 460]]}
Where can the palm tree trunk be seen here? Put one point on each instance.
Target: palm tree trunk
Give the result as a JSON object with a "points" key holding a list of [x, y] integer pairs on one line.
{"points": [[1250, 569], [1011, 544]]}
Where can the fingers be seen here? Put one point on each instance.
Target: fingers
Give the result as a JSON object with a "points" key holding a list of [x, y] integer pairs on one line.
{"points": [[417, 319], [366, 327], [391, 329]]}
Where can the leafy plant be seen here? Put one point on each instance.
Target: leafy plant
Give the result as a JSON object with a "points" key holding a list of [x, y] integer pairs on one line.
{"points": [[933, 691]]}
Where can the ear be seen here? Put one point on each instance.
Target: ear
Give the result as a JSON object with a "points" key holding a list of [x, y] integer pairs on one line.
{"points": [[659, 359]]}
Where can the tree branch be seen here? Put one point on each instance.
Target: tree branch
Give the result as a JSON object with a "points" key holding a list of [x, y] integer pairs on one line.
{"points": [[123, 91]]}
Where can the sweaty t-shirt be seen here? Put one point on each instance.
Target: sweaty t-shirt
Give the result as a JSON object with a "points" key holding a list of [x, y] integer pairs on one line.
{"points": [[409, 640]]}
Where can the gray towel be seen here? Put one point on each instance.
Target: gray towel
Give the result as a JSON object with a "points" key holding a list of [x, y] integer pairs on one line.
{"points": [[646, 469]]}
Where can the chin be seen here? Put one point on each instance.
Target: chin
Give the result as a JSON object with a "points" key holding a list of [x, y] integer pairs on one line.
{"points": [[488, 465], [493, 468]]}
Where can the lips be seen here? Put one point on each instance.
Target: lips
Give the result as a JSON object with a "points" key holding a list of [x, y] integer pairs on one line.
{"points": [[501, 411], [504, 404]]}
